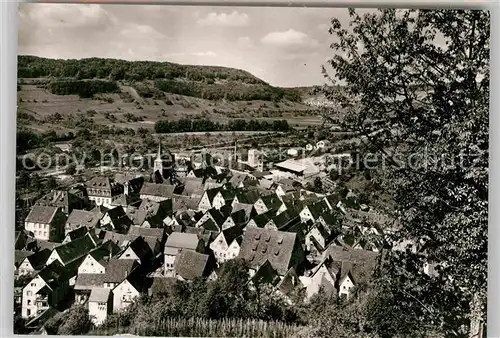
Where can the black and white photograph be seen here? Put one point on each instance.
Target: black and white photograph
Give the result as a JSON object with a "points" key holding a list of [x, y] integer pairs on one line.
{"points": [[231, 171]]}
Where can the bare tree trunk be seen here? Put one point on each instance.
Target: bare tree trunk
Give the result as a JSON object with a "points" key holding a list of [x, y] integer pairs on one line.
{"points": [[476, 323]]}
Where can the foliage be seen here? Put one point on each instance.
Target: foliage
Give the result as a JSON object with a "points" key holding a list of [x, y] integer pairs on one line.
{"points": [[208, 82], [229, 297], [132, 118], [413, 99], [27, 139], [231, 90], [74, 321], [205, 125], [22, 280], [82, 88], [20, 325], [200, 327], [35, 67], [71, 169], [318, 185]]}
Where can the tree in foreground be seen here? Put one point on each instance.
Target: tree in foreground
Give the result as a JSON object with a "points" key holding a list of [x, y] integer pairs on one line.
{"points": [[74, 321], [77, 322], [415, 86]]}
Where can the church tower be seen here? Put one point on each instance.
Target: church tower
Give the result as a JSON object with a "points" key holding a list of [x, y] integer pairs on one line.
{"points": [[158, 165]]}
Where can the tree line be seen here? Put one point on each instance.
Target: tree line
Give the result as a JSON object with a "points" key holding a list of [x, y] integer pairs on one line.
{"points": [[231, 90], [90, 68], [82, 88], [207, 82], [205, 125]]}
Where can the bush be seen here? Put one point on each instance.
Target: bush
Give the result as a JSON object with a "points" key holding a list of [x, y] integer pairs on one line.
{"points": [[71, 169], [334, 174], [27, 139], [75, 322]]}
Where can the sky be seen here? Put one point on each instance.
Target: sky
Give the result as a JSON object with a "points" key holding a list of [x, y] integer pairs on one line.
{"points": [[283, 46]]}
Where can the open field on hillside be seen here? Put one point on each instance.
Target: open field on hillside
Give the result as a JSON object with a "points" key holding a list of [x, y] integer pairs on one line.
{"points": [[125, 111]]}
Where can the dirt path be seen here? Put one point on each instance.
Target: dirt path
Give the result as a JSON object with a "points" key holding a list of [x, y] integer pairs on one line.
{"points": [[133, 93]]}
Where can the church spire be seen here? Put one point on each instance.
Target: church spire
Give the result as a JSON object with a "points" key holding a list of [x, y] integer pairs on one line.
{"points": [[159, 154]]}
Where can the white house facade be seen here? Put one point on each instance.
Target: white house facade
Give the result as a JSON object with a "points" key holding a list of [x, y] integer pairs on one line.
{"points": [[100, 305], [316, 234], [260, 206], [129, 254], [91, 265], [28, 306], [54, 256], [25, 268], [306, 215], [317, 279], [123, 295], [345, 286], [46, 223], [204, 204]]}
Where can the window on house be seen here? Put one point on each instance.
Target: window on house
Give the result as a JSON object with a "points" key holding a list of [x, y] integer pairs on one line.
{"points": [[29, 301], [29, 293], [28, 312]]}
